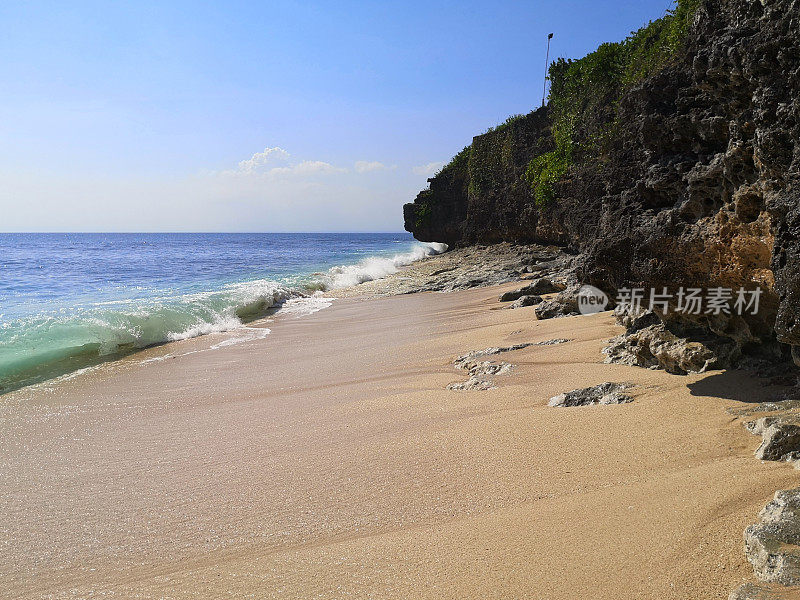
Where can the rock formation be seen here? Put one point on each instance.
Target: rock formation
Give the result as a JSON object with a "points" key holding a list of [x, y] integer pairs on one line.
{"points": [[482, 372], [694, 181], [604, 394], [668, 161], [773, 544]]}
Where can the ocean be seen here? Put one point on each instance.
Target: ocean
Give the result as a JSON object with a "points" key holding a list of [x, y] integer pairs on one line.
{"points": [[72, 300]]}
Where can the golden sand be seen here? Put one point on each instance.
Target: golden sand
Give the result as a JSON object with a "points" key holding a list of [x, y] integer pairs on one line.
{"points": [[327, 460]]}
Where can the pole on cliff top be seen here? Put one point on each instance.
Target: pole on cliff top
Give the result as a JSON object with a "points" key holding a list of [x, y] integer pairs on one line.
{"points": [[546, 67]]}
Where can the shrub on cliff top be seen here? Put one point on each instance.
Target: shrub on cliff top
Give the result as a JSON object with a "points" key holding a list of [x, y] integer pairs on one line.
{"points": [[649, 48], [584, 94], [547, 169], [458, 163], [505, 123]]}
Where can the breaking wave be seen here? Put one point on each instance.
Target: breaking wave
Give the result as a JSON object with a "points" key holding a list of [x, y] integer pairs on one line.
{"points": [[376, 267], [54, 343]]}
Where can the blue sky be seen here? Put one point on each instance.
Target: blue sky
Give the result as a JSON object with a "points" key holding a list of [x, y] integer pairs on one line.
{"points": [[146, 116]]}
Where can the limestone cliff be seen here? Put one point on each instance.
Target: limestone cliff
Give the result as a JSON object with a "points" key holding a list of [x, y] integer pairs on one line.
{"points": [[662, 161]]}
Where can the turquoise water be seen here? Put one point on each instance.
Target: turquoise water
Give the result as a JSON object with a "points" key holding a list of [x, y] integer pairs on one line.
{"points": [[68, 301]]}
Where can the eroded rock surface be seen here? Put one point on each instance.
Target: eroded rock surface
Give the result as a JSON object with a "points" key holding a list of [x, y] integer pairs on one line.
{"points": [[655, 347], [563, 305], [780, 433], [759, 426], [472, 384], [780, 441], [469, 360], [650, 343], [554, 342], [526, 301], [539, 287], [482, 372], [605, 394], [773, 544]]}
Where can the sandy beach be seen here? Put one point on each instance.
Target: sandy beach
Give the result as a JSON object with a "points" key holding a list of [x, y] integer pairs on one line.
{"points": [[327, 459]]}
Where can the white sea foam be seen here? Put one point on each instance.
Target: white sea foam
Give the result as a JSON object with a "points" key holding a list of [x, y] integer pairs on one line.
{"points": [[307, 305], [244, 334], [157, 359], [375, 267], [46, 345], [219, 325]]}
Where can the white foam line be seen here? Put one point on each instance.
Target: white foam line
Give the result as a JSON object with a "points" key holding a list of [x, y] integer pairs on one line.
{"points": [[375, 267], [253, 334]]}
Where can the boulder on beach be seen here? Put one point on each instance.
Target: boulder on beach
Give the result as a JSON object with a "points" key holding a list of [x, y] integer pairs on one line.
{"points": [[526, 301], [538, 287], [773, 544]]}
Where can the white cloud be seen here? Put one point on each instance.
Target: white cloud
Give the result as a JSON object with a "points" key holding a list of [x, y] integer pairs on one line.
{"points": [[276, 162], [364, 166], [430, 169], [262, 160], [297, 195], [307, 167]]}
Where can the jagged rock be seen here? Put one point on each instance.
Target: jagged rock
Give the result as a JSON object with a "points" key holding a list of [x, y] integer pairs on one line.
{"points": [[513, 295], [655, 347], [537, 288], [563, 305], [543, 286], [699, 185], [759, 426], [778, 441], [526, 301], [650, 344], [554, 342], [466, 361], [489, 369], [472, 384], [773, 544], [605, 393], [481, 371]]}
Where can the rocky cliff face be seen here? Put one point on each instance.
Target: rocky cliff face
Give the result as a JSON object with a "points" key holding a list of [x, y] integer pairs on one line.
{"points": [[481, 196], [698, 186]]}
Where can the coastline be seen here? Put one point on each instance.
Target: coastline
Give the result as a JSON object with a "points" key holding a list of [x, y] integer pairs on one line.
{"points": [[134, 299], [328, 458], [573, 374]]}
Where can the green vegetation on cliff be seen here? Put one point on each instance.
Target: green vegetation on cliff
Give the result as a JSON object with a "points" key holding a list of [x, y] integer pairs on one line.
{"points": [[459, 162], [456, 170], [478, 164], [492, 154], [584, 94], [528, 155]]}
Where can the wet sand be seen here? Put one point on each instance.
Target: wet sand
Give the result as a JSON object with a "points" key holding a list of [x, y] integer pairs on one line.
{"points": [[327, 460]]}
